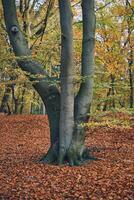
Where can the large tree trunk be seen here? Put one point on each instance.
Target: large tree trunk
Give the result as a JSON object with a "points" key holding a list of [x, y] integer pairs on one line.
{"points": [[66, 77], [66, 118], [72, 136], [77, 151], [49, 94]]}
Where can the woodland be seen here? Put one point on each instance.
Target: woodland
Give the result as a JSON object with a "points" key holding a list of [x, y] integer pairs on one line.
{"points": [[66, 99]]}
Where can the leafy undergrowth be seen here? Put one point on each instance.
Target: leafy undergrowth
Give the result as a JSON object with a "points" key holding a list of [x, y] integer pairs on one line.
{"points": [[115, 119], [23, 141]]}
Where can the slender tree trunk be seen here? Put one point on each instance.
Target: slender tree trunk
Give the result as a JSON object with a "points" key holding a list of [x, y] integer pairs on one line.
{"points": [[113, 90], [4, 104], [130, 64], [9, 110], [130, 57], [22, 99], [14, 100], [106, 101], [122, 103]]}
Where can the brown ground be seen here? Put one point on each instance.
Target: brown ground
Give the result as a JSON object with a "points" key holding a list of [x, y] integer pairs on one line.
{"points": [[23, 141]]}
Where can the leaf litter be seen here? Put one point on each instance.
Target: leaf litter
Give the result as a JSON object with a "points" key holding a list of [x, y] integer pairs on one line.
{"points": [[25, 139]]}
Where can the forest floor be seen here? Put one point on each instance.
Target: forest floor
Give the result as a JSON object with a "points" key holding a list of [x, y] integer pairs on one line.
{"points": [[25, 138]]}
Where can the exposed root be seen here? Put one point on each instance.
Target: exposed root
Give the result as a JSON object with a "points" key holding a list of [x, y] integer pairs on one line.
{"points": [[51, 155], [79, 156], [75, 156]]}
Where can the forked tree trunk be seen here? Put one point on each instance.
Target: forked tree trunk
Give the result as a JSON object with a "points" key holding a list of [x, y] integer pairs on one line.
{"points": [[66, 114], [72, 140]]}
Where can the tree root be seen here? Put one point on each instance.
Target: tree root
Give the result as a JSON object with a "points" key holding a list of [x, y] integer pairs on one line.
{"points": [[51, 155], [75, 156]]}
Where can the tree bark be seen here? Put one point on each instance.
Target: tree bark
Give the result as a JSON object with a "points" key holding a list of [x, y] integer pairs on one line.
{"points": [[49, 94], [130, 70], [131, 87], [4, 104], [22, 99], [130, 58], [14, 100], [106, 101], [66, 77], [66, 117], [83, 99], [111, 91]]}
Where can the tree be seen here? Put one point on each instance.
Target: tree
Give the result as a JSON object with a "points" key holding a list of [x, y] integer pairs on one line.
{"points": [[114, 59], [130, 58], [66, 112]]}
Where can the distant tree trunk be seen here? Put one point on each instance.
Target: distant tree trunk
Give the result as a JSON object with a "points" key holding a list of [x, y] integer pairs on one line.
{"points": [[22, 99], [111, 91], [9, 110], [131, 85], [14, 100], [106, 102], [5, 108], [122, 103], [130, 64], [32, 105], [130, 57], [98, 106]]}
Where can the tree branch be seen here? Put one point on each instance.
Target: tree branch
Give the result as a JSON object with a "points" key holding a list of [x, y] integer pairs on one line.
{"points": [[49, 94], [84, 96]]}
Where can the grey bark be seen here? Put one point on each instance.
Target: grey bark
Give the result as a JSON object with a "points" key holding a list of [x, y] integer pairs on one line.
{"points": [[66, 77], [84, 97], [85, 94], [49, 94], [67, 137]]}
